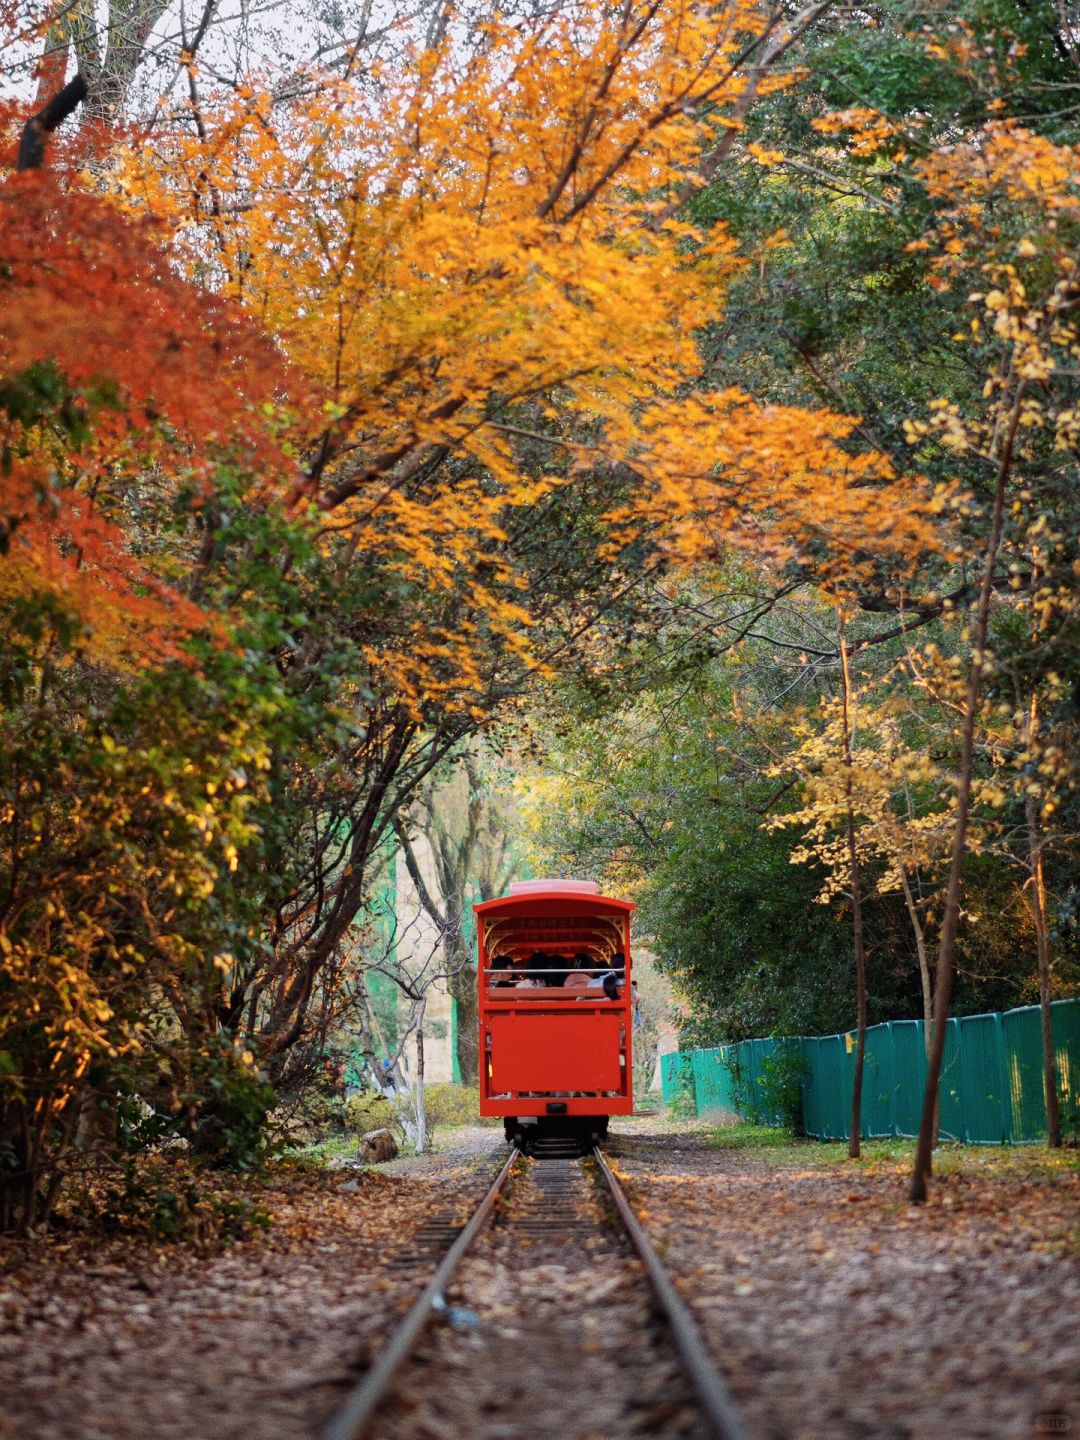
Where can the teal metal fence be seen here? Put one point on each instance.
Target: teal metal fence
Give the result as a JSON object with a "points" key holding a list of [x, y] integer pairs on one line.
{"points": [[991, 1079]]}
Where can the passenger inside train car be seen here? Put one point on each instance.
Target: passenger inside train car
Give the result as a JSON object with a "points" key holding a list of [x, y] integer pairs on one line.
{"points": [[591, 977], [593, 974]]}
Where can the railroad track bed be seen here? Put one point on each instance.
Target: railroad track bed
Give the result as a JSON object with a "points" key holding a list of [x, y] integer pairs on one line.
{"points": [[818, 1295], [547, 1328], [832, 1309]]}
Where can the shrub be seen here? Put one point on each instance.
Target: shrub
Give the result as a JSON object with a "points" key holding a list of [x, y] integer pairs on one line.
{"points": [[166, 1198], [781, 1086], [775, 1097], [369, 1111], [683, 1103], [451, 1106]]}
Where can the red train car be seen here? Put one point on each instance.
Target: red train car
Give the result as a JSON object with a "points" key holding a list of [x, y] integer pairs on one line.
{"points": [[556, 1009]]}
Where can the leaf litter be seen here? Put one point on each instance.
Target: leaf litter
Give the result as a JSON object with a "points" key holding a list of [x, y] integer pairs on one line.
{"points": [[833, 1308]]}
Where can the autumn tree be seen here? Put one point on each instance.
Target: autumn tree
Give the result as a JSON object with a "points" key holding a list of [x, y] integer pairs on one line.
{"points": [[465, 817], [132, 771], [662, 794], [369, 572], [908, 116], [497, 267], [1024, 315], [474, 390]]}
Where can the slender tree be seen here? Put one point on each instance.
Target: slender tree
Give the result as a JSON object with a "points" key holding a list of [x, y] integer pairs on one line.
{"points": [[855, 890]]}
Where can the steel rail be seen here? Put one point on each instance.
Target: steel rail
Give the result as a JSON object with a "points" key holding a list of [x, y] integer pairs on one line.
{"points": [[352, 1420], [712, 1394]]}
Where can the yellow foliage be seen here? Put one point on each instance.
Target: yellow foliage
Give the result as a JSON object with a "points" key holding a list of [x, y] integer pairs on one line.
{"points": [[449, 249]]}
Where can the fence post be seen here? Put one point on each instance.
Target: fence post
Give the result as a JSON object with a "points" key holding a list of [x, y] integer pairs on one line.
{"points": [[892, 1078]]}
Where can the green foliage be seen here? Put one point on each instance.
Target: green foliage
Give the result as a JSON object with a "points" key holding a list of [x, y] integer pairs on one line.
{"points": [[776, 1095], [235, 1101], [368, 1111], [665, 798], [450, 1107], [682, 1105], [736, 928], [446, 1107], [128, 803]]}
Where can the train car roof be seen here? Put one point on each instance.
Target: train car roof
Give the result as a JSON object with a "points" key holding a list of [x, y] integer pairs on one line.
{"points": [[557, 914], [538, 895]]}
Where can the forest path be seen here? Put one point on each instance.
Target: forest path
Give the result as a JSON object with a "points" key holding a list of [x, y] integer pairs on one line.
{"points": [[837, 1310], [127, 1340]]}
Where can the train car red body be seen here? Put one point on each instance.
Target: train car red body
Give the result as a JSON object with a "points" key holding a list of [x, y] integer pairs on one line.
{"points": [[556, 1009]]}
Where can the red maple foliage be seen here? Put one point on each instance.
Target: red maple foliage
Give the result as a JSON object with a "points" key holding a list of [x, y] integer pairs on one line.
{"points": [[123, 383]]}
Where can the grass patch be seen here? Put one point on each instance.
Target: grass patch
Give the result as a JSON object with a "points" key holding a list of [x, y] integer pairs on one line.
{"points": [[336, 1147], [745, 1136], [773, 1145], [1007, 1162]]}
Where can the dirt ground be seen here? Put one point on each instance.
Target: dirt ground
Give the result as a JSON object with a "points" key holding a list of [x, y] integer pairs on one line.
{"points": [[130, 1341], [835, 1309]]}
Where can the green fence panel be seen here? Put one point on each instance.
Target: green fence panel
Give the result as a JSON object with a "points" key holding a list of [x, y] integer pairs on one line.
{"points": [[1024, 1063], [675, 1074], [743, 1073], [879, 1083], [826, 1100], [950, 1109], [698, 1060], [756, 1052], [727, 1056], [847, 1085], [714, 1088], [909, 1053], [839, 1073], [1065, 1019], [815, 1087], [754, 1092], [768, 1051], [667, 1069], [991, 1080], [983, 1081]]}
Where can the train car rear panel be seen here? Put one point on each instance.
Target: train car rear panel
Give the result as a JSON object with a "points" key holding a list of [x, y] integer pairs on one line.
{"points": [[548, 1049]]}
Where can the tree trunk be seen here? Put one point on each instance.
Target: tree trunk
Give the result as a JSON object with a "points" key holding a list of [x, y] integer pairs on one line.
{"points": [[421, 1108], [1037, 884], [950, 920], [1042, 940], [924, 978], [858, 941], [924, 962]]}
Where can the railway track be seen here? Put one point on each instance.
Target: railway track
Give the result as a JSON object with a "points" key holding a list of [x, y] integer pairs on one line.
{"points": [[549, 1328]]}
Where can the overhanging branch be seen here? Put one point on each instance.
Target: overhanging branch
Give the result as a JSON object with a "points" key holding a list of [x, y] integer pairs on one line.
{"points": [[32, 143]]}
